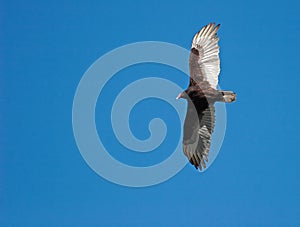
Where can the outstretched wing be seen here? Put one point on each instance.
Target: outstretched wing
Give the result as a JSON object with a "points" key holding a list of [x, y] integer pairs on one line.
{"points": [[204, 57], [198, 128]]}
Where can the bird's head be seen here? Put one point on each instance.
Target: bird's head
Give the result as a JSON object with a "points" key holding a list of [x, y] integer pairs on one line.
{"points": [[183, 95]]}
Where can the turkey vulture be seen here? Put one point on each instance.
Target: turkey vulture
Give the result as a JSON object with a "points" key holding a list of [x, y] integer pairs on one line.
{"points": [[201, 95]]}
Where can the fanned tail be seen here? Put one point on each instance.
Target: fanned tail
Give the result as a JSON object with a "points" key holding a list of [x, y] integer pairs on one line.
{"points": [[228, 96]]}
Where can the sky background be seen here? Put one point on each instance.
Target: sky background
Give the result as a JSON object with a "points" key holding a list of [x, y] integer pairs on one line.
{"points": [[45, 48]]}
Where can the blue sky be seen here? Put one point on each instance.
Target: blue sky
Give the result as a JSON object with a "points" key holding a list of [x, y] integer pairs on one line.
{"points": [[46, 47]]}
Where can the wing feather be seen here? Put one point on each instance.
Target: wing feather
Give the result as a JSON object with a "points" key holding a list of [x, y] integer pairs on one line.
{"points": [[204, 57], [198, 128]]}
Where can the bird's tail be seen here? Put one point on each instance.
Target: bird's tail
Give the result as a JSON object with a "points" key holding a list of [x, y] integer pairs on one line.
{"points": [[228, 96]]}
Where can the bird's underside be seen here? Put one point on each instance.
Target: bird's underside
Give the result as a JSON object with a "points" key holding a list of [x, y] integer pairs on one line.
{"points": [[201, 95]]}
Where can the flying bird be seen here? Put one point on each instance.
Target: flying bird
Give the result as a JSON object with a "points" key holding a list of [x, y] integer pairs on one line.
{"points": [[201, 94]]}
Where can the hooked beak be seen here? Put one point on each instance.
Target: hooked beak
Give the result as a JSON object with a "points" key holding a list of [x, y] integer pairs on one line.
{"points": [[179, 96]]}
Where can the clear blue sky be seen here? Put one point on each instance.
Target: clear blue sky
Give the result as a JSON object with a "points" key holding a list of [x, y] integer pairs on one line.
{"points": [[46, 46]]}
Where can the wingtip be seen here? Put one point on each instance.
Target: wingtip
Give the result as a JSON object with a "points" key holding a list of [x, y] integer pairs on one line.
{"points": [[216, 28]]}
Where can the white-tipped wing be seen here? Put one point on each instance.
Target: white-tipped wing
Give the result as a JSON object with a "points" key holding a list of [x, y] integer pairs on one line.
{"points": [[204, 57]]}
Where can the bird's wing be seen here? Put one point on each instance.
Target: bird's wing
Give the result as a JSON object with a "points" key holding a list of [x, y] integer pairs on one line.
{"points": [[198, 128], [204, 57]]}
